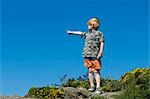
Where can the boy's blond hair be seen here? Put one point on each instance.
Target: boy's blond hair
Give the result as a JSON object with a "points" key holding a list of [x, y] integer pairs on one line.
{"points": [[95, 21]]}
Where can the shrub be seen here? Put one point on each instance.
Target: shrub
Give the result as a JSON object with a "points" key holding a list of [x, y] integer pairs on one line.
{"points": [[45, 93], [136, 84], [111, 85], [136, 75], [107, 84], [134, 92], [76, 83]]}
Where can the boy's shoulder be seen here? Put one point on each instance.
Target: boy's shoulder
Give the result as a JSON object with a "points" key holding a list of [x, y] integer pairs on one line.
{"points": [[99, 33]]}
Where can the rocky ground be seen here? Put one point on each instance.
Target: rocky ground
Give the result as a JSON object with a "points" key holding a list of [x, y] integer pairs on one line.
{"points": [[13, 97], [74, 93], [82, 93]]}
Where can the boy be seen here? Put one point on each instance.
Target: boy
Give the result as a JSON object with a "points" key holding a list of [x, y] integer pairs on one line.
{"points": [[92, 52]]}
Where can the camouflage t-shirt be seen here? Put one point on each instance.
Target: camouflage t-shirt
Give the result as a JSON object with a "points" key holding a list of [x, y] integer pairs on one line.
{"points": [[92, 43]]}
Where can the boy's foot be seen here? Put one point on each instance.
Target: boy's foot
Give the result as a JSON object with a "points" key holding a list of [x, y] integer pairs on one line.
{"points": [[98, 90], [91, 89]]}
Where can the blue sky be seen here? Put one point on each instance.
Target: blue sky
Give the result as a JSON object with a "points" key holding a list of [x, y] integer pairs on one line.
{"points": [[36, 50]]}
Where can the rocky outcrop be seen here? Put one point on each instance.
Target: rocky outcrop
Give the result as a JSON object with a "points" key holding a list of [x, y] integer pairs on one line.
{"points": [[82, 93], [74, 93], [13, 97]]}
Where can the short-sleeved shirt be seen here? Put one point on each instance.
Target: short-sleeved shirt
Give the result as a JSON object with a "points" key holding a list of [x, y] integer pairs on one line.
{"points": [[92, 43]]}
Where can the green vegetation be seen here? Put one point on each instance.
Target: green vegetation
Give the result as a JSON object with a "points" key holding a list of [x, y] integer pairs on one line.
{"points": [[133, 85], [111, 85], [136, 84], [45, 93], [107, 85], [76, 83], [81, 81]]}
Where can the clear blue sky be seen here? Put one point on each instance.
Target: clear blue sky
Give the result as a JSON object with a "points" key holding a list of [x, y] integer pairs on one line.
{"points": [[36, 50]]}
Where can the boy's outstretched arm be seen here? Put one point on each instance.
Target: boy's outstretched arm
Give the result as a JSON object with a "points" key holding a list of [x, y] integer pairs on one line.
{"points": [[74, 32]]}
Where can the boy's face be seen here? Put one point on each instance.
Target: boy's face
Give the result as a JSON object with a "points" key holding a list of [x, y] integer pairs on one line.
{"points": [[92, 25]]}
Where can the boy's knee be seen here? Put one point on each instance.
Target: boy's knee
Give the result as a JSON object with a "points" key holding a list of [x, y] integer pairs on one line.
{"points": [[90, 70], [96, 71]]}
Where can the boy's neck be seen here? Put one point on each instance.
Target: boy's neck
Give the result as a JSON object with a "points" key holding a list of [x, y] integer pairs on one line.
{"points": [[92, 30]]}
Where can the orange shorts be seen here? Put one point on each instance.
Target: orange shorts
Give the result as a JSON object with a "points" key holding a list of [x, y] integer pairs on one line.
{"points": [[96, 64]]}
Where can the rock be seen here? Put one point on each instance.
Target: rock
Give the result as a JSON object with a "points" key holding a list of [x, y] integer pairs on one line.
{"points": [[106, 95], [74, 93], [82, 93], [13, 97], [70, 93]]}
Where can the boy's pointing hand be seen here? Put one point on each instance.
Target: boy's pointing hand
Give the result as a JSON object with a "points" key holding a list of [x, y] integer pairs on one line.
{"points": [[69, 32]]}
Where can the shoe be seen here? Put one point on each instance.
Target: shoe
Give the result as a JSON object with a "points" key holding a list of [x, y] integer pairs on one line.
{"points": [[91, 89], [98, 90]]}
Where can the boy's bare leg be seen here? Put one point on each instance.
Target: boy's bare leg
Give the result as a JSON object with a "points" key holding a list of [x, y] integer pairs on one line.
{"points": [[97, 77], [91, 77]]}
